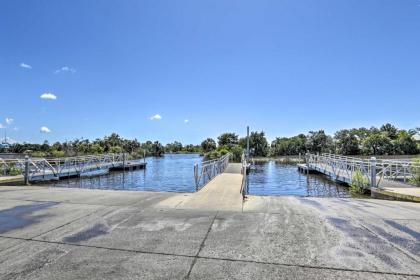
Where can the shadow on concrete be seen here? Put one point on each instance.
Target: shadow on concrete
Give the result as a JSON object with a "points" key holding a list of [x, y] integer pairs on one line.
{"points": [[22, 216], [95, 231]]}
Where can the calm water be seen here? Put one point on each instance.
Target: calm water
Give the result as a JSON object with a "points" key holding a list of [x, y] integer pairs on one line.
{"points": [[171, 173], [271, 178]]}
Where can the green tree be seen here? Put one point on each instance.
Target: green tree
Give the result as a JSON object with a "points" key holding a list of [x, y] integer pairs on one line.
{"points": [[96, 149], [405, 144], [227, 139], [390, 131], [288, 146], [258, 144], [237, 152], [174, 147], [316, 141], [115, 150], [377, 144], [208, 145], [347, 142], [157, 149]]}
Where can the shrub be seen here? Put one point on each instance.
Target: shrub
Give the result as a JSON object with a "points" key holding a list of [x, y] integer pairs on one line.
{"points": [[359, 182], [212, 155], [58, 154], [415, 170], [116, 150], [12, 170], [39, 154], [237, 152]]}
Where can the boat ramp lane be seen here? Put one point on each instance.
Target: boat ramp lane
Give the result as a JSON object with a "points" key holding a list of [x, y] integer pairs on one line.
{"points": [[44, 169], [219, 189], [389, 179]]}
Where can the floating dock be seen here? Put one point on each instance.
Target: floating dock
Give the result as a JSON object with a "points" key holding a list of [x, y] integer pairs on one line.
{"points": [[387, 180], [49, 169], [86, 171]]}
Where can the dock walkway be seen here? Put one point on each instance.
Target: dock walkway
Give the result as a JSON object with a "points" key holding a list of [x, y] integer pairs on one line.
{"points": [[223, 193], [46, 169], [384, 187]]}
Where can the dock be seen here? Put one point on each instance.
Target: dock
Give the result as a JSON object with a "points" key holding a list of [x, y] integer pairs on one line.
{"points": [[43, 169], [388, 179]]}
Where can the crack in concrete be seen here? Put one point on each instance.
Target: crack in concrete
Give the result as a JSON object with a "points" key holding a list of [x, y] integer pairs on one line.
{"points": [[201, 247], [214, 258]]}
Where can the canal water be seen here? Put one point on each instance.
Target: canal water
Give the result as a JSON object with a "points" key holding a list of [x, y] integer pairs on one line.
{"points": [[274, 178], [170, 173], [175, 173]]}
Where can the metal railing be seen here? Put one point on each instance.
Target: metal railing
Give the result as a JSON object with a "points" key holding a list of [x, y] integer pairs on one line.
{"points": [[56, 167], [377, 171], [207, 170]]}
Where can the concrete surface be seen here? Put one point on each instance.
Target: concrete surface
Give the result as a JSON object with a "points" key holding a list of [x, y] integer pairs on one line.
{"points": [[223, 193], [397, 193], [11, 180], [48, 233]]}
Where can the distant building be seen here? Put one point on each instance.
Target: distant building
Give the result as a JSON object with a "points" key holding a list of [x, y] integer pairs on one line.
{"points": [[417, 138], [4, 145]]}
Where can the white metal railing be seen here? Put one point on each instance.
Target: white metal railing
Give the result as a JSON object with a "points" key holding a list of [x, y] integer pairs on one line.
{"points": [[377, 171], [55, 167], [207, 170]]}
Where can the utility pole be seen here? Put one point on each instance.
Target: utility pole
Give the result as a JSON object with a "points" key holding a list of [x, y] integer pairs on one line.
{"points": [[247, 143]]}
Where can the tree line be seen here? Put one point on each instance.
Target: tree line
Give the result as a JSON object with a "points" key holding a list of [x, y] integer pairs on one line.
{"points": [[385, 140], [108, 144]]}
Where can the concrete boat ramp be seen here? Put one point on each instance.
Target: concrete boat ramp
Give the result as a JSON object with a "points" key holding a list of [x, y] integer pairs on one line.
{"points": [[64, 233], [222, 193]]}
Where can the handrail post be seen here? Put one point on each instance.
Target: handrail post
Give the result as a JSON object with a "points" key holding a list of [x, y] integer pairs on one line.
{"points": [[372, 172], [26, 170], [307, 162], [123, 155]]}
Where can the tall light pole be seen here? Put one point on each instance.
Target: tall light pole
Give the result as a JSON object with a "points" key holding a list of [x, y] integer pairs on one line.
{"points": [[247, 142]]}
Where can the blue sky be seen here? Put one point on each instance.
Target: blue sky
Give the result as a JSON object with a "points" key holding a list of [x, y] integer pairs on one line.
{"points": [[282, 66]]}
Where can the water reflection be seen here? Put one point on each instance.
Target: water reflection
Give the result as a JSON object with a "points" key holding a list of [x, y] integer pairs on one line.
{"points": [[171, 173], [273, 178]]}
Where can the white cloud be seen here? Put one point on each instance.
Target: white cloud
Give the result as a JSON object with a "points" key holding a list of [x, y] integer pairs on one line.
{"points": [[9, 121], [49, 96], [2, 126], [45, 129], [65, 69], [186, 121], [24, 65], [16, 128], [156, 117]]}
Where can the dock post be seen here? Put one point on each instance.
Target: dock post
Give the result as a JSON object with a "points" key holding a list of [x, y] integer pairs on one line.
{"points": [[373, 172], [307, 163], [26, 178], [123, 161], [196, 176]]}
